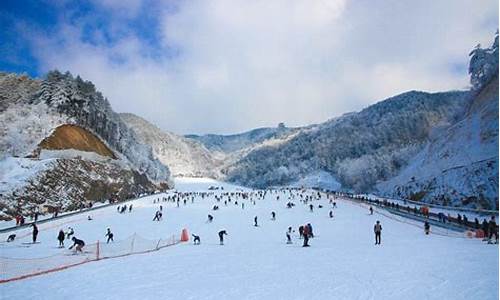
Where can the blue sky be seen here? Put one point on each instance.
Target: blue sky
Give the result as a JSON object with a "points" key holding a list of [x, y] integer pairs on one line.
{"points": [[224, 66]]}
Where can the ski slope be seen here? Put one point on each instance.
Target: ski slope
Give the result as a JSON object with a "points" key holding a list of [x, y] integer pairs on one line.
{"points": [[256, 262]]}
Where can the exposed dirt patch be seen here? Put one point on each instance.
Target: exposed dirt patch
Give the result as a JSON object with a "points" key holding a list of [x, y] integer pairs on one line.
{"points": [[75, 137]]}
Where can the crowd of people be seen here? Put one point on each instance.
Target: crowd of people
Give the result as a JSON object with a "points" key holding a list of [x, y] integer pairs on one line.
{"points": [[307, 198]]}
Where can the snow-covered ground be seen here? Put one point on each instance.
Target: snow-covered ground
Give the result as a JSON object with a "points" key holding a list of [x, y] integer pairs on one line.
{"points": [[255, 262]]}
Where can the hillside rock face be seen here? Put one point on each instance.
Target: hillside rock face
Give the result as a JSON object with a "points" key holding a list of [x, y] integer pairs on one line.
{"points": [[61, 144], [183, 156]]}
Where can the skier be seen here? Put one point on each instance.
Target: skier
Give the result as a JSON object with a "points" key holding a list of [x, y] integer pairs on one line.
{"points": [[196, 239], [427, 227], [11, 238], [331, 214], [485, 227], [273, 216], [221, 236], [157, 216], [301, 231], [69, 233], [311, 207], [79, 244], [310, 230], [210, 218], [109, 234], [130, 208], [255, 221], [492, 228], [371, 210], [60, 238], [306, 236], [378, 231], [35, 232], [289, 235]]}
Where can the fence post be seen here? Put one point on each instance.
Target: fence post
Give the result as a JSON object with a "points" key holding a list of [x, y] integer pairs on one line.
{"points": [[97, 251]]}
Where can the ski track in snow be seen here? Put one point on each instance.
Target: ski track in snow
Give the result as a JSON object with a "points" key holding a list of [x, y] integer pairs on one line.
{"points": [[255, 262]]}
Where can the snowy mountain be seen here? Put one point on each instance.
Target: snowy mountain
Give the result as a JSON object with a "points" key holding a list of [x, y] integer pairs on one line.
{"points": [[183, 156], [358, 148], [236, 142], [435, 147], [61, 145], [460, 165]]}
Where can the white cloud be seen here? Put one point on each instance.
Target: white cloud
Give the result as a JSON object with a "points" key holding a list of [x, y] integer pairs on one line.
{"points": [[244, 64]]}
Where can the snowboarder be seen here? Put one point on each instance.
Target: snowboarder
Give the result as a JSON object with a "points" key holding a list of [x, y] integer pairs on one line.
{"points": [[289, 235], [378, 232], [60, 238], [255, 222], [109, 234], [35, 232], [11, 238], [89, 218], [196, 239], [427, 227], [79, 244], [221, 236], [273, 216]]}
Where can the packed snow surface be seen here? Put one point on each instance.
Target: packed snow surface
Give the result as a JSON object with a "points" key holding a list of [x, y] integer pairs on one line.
{"points": [[256, 262]]}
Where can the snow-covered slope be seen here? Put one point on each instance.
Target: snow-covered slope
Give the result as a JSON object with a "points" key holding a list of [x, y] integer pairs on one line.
{"points": [[256, 262], [183, 156]]}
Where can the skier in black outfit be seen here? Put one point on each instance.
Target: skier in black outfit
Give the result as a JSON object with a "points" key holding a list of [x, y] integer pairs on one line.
{"points": [[255, 221], [492, 230], [301, 231], [311, 207], [196, 239], [109, 234], [371, 210], [378, 232], [273, 216], [484, 227], [35, 232], [60, 238], [427, 227], [221, 236], [78, 243], [289, 235]]}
